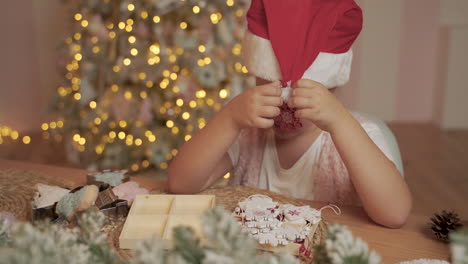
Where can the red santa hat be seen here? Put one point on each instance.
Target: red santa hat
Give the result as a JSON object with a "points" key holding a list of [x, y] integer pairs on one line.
{"points": [[292, 39]]}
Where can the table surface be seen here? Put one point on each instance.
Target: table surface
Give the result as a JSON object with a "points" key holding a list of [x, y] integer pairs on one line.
{"points": [[413, 241]]}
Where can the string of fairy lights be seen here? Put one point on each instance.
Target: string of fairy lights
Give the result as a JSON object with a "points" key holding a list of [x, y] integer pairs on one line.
{"points": [[142, 77]]}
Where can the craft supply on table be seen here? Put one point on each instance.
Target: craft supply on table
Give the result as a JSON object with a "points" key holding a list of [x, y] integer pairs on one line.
{"points": [[279, 227], [107, 177], [109, 191], [157, 215]]}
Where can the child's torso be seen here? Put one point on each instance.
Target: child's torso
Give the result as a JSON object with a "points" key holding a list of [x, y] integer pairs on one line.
{"points": [[290, 172]]}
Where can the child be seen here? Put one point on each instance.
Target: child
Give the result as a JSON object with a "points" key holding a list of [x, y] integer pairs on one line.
{"points": [[299, 140]]}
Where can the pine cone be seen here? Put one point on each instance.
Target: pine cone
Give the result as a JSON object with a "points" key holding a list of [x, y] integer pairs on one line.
{"points": [[444, 223]]}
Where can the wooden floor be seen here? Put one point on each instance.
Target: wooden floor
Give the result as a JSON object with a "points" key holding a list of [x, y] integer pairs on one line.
{"points": [[435, 161]]}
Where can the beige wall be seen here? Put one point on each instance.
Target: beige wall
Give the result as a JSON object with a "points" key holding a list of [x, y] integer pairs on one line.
{"points": [[454, 107], [30, 33]]}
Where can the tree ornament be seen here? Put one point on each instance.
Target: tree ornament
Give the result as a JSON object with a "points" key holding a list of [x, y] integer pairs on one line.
{"points": [[443, 223]]}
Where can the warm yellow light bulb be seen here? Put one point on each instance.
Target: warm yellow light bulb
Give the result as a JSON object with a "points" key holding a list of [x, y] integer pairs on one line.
{"points": [[77, 96], [122, 123], [121, 135], [45, 126], [116, 68], [99, 149], [155, 48], [77, 36], [76, 137], [144, 14], [134, 52], [156, 19], [152, 138], [112, 134], [196, 9], [97, 121], [187, 137], [138, 142], [78, 16], [201, 62], [169, 123], [193, 104], [78, 56], [179, 102], [92, 104], [26, 140], [131, 7], [207, 60], [128, 95], [201, 94], [141, 75], [229, 2], [201, 48], [14, 135], [131, 39], [53, 125], [183, 25], [84, 23], [186, 115], [223, 93], [227, 175], [127, 61], [112, 34], [143, 94], [122, 25]]}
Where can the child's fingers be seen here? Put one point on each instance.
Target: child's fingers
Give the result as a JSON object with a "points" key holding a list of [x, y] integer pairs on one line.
{"points": [[303, 92], [271, 100], [305, 113], [306, 83], [268, 111], [264, 123], [270, 90], [301, 102]]}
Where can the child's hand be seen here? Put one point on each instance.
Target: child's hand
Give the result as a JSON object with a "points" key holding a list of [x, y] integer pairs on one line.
{"points": [[256, 106], [316, 103]]}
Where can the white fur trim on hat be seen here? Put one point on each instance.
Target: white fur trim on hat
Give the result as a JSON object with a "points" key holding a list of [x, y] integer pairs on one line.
{"points": [[329, 69]]}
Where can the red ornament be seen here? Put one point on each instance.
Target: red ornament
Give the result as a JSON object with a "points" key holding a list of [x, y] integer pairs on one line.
{"points": [[302, 249], [286, 120]]}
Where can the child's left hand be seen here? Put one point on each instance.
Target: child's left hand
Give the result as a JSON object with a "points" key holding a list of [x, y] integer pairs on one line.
{"points": [[316, 103]]}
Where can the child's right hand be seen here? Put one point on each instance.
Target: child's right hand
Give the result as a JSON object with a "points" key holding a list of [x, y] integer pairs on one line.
{"points": [[257, 106]]}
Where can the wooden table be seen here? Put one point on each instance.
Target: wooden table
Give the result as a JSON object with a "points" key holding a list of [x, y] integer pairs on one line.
{"points": [[410, 242]]}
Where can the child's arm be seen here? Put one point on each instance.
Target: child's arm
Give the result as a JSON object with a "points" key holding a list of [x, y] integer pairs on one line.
{"points": [[204, 159], [383, 191]]}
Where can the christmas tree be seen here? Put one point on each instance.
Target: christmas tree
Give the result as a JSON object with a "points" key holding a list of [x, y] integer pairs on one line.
{"points": [[142, 76]]}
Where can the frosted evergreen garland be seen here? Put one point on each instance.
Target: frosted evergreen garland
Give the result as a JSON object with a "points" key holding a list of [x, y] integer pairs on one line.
{"points": [[46, 243], [142, 76], [459, 246], [342, 248]]}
